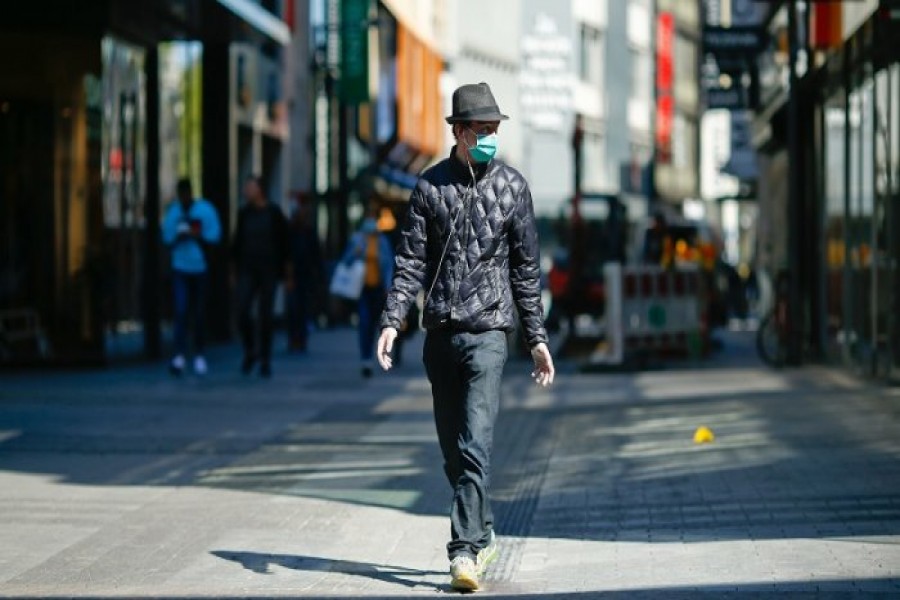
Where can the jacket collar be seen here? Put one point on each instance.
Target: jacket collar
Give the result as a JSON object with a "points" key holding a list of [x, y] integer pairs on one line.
{"points": [[461, 171]]}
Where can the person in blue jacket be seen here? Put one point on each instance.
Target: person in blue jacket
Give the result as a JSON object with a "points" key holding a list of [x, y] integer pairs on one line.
{"points": [[376, 251], [190, 226]]}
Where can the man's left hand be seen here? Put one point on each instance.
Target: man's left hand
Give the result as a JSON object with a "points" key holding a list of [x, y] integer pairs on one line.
{"points": [[543, 365]]}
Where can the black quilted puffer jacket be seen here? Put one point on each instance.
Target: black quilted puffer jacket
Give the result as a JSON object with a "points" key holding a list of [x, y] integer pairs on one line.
{"points": [[491, 263]]}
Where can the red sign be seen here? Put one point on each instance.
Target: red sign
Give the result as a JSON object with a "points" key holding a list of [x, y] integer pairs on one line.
{"points": [[827, 26], [665, 29], [665, 106]]}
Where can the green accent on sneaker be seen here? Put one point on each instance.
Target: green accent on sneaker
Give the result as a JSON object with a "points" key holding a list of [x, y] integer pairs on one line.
{"points": [[487, 555]]}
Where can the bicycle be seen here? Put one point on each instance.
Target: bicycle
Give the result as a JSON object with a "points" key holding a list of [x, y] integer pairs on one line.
{"points": [[775, 332]]}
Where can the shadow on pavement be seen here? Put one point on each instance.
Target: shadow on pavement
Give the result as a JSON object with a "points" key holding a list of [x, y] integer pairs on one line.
{"points": [[263, 563]]}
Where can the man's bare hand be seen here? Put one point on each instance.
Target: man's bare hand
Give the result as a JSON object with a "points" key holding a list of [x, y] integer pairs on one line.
{"points": [[385, 345], [543, 365]]}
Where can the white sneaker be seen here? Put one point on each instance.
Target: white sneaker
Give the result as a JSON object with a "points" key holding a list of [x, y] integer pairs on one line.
{"points": [[200, 365], [463, 574], [177, 365]]}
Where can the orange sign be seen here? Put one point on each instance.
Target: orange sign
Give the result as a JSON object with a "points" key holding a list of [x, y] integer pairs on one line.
{"points": [[419, 118]]}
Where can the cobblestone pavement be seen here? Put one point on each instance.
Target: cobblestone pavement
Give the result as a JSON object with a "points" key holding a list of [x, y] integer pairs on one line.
{"points": [[317, 483]]}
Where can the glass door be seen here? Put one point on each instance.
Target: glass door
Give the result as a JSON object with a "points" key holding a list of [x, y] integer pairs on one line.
{"points": [[883, 267], [859, 313], [834, 234], [888, 160], [124, 186]]}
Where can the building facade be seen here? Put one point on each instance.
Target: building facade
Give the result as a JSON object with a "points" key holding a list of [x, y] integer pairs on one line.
{"points": [[476, 49], [590, 61], [678, 108], [374, 110]]}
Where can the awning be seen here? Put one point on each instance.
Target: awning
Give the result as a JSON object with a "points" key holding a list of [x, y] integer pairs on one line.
{"points": [[408, 109], [260, 18]]}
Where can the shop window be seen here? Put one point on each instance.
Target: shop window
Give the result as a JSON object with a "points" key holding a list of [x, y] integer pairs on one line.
{"points": [[858, 313], [595, 170], [123, 135], [124, 182], [834, 225], [180, 115], [641, 76]]}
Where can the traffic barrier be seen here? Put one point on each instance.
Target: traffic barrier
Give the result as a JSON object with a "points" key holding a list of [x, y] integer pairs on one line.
{"points": [[651, 311]]}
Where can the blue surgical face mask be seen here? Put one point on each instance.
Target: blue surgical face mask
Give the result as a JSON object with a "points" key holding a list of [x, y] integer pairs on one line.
{"points": [[485, 147]]}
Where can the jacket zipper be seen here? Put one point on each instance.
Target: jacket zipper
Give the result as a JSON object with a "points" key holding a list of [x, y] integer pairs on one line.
{"points": [[464, 245]]}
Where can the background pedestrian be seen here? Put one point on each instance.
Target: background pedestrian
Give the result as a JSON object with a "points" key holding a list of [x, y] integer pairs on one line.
{"points": [[260, 261], [189, 227], [374, 249], [306, 263]]}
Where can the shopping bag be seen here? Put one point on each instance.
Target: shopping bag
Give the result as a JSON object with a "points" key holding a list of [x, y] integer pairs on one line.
{"points": [[347, 281]]}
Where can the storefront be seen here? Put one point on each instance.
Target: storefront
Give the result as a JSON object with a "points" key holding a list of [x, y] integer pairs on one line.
{"points": [[838, 231], [858, 121], [106, 105], [71, 115], [408, 123]]}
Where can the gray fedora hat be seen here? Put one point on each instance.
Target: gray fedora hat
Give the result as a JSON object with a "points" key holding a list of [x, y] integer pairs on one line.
{"points": [[475, 102]]}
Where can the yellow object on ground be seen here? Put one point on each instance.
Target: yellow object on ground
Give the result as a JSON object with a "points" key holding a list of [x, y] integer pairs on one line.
{"points": [[703, 435]]}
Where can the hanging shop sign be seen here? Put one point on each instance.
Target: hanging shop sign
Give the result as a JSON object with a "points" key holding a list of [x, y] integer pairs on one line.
{"points": [[732, 39], [354, 88], [733, 27]]}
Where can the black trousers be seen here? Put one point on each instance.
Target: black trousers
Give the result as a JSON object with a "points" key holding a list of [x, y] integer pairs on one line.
{"points": [[256, 283], [465, 371]]}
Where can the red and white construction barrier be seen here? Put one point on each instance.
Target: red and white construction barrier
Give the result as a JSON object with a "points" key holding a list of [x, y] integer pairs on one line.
{"points": [[651, 310]]}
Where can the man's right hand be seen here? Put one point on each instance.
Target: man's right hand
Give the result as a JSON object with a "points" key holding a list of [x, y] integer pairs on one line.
{"points": [[385, 345]]}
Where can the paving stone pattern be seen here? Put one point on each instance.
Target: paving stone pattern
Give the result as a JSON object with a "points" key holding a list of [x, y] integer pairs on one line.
{"points": [[127, 483]]}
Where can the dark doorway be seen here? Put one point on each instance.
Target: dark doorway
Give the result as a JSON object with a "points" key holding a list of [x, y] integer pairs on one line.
{"points": [[26, 216]]}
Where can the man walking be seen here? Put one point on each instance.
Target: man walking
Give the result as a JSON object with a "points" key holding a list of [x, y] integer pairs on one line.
{"points": [[260, 259], [190, 225], [470, 238]]}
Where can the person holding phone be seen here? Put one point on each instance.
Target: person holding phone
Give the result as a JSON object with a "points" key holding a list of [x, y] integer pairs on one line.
{"points": [[190, 226]]}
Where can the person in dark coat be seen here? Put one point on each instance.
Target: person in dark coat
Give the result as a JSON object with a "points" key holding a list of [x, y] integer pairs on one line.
{"points": [[259, 262], [470, 241], [306, 261]]}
